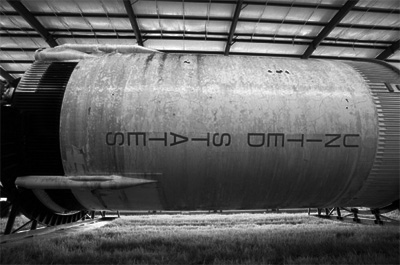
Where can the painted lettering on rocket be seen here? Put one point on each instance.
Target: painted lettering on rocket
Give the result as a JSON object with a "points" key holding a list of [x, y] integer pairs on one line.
{"points": [[332, 140], [137, 135], [345, 144], [164, 139], [207, 139], [182, 139], [298, 140], [225, 139], [114, 139], [220, 140], [258, 140], [143, 139]]}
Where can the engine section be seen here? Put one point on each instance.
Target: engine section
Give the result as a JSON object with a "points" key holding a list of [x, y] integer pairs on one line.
{"points": [[189, 132]]}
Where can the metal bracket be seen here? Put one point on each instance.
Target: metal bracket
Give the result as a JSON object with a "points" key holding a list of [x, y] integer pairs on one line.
{"points": [[355, 213], [11, 218], [377, 215], [319, 210], [339, 215]]}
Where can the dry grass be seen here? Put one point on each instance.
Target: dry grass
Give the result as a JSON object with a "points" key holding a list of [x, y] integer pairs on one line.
{"points": [[216, 239]]}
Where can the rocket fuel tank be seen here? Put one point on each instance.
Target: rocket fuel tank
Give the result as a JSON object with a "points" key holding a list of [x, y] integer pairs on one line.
{"points": [[217, 132]]}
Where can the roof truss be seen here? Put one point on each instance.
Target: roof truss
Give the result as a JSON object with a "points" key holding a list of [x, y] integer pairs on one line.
{"points": [[132, 19], [362, 30], [328, 28], [210, 18], [233, 26], [389, 51], [27, 15], [6, 75]]}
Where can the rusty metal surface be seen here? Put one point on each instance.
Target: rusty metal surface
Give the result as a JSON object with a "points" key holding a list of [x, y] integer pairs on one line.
{"points": [[224, 132]]}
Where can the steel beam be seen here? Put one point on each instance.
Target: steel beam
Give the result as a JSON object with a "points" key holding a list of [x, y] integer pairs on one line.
{"points": [[300, 41], [6, 75], [339, 215], [295, 4], [166, 16], [17, 49], [28, 32], [328, 28], [389, 51], [16, 72], [27, 15], [355, 214], [11, 218], [233, 26], [180, 17], [17, 61], [262, 3], [132, 19], [392, 61], [34, 224]]}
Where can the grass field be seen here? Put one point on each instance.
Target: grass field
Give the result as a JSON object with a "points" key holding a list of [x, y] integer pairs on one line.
{"points": [[216, 239], [19, 221]]}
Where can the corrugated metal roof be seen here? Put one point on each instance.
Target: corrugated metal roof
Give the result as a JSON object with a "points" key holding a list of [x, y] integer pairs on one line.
{"points": [[294, 28]]}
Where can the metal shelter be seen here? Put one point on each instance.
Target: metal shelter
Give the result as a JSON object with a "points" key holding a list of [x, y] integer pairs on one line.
{"points": [[334, 29]]}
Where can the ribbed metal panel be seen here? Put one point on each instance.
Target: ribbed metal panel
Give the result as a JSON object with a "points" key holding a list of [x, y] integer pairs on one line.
{"points": [[382, 184], [39, 96]]}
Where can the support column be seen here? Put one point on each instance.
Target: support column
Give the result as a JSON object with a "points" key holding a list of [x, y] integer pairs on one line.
{"points": [[339, 216], [376, 213], [34, 225], [355, 213], [11, 218], [327, 212]]}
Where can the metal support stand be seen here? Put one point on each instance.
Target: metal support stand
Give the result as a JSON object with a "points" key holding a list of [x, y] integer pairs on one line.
{"points": [[309, 211], [119, 216], [20, 228], [355, 213], [11, 218], [5, 209], [339, 216], [103, 214], [377, 215], [327, 212], [92, 214], [34, 225]]}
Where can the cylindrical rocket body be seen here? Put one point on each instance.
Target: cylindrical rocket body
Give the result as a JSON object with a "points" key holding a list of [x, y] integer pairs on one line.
{"points": [[220, 132]]}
